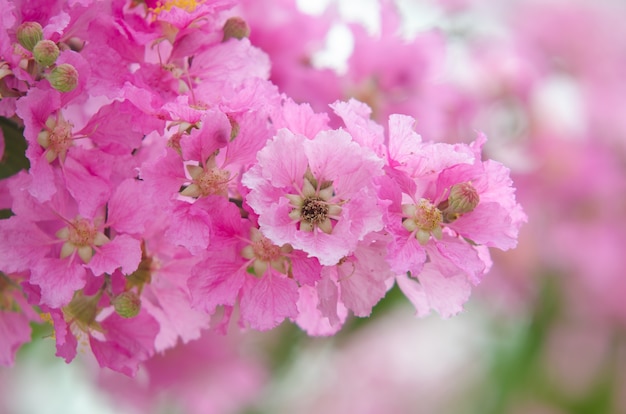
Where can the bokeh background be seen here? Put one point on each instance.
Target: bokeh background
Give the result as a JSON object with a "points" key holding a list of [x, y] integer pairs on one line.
{"points": [[543, 334]]}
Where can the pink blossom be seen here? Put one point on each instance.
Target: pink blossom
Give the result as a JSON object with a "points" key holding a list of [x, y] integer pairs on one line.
{"points": [[243, 266], [437, 204], [58, 245], [308, 194]]}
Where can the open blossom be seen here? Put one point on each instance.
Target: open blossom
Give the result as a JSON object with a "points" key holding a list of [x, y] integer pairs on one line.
{"points": [[117, 342], [244, 267], [310, 194], [448, 206], [59, 246]]}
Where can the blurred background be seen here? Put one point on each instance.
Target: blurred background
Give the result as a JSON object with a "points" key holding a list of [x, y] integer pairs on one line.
{"points": [[544, 332]]}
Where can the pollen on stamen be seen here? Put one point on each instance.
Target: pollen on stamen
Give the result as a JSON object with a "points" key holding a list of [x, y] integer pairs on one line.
{"points": [[205, 182], [187, 5], [314, 208], [265, 254], [56, 138], [424, 219], [80, 237]]}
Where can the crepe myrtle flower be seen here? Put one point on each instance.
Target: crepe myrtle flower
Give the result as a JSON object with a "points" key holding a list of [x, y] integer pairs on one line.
{"points": [[318, 195], [243, 267]]}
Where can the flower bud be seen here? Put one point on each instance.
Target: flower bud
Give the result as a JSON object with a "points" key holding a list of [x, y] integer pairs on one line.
{"points": [[237, 28], [29, 34], [64, 77], [127, 304], [463, 199], [45, 53]]}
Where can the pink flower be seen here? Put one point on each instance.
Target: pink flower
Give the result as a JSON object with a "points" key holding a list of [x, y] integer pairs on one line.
{"points": [[443, 196], [243, 266], [118, 343], [59, 246], [161, 285], [310, 194]]}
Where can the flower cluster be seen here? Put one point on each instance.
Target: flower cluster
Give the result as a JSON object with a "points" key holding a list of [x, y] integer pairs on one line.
{"points": [[172, 188]]}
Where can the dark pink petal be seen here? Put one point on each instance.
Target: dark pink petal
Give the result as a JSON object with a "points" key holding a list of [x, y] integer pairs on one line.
{"points": [[66, 342], [164, 175], [58, 279], [406, 254], [123, 252], [306, 270], [22, 244], [127, 209], [190, 226], [201, 143], [489, 224], [216, 281], [90, 190], [128, 342], [266, 302], [119, 127]]}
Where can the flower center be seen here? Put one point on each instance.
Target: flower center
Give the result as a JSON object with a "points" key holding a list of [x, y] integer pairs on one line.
{"points": [[207, 181], [314, 210], [265, 250], [82, 233], [422, 218], [80, 237], [264, 254], [56, 138], [314, 207]]}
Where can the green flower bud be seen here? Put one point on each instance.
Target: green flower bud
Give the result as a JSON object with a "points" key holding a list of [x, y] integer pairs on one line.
{"points": [[28, 34], [45, 53], [127, 304], [64, 77], [237, 28], [463, 199]]}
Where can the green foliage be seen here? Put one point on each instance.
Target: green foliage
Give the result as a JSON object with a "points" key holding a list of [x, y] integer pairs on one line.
{"points": [[14, 158]]}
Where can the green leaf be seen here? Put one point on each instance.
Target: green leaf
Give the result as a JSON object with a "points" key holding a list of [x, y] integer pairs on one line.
{"points": [[14, 157]]}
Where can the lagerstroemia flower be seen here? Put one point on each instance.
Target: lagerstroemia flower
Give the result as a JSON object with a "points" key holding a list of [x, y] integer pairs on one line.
{"points": [[447, 206], [316, 194], [244, 266]]}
